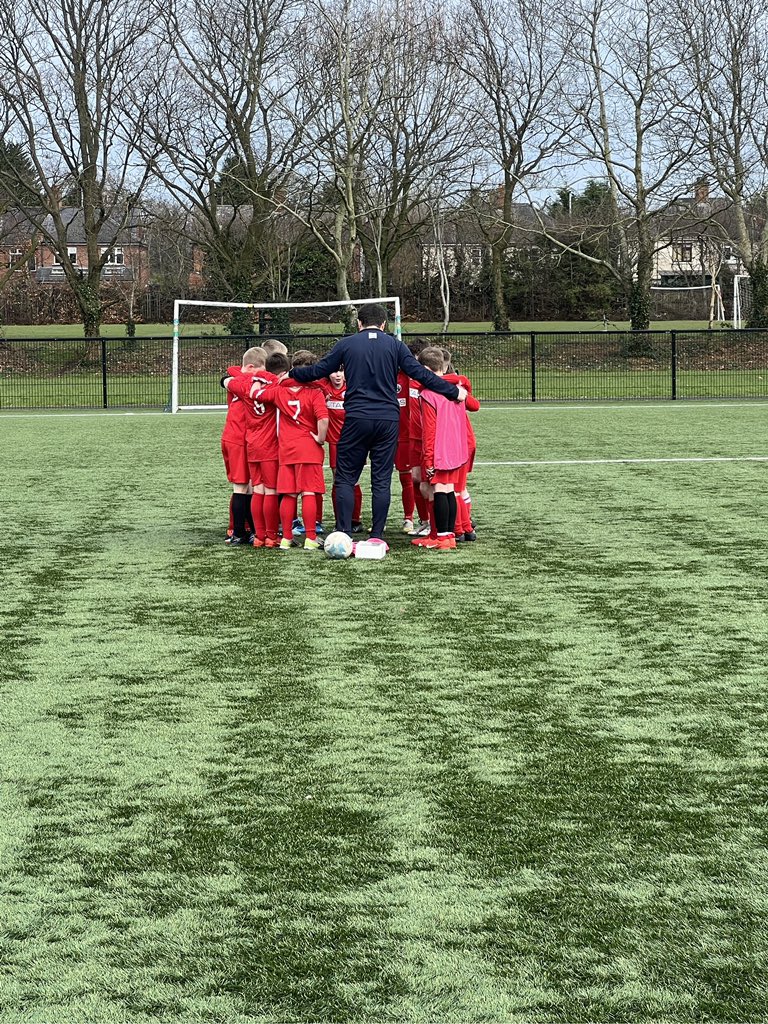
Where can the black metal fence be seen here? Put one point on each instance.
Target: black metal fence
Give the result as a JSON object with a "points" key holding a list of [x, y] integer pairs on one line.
{"points": [[517, 367]]}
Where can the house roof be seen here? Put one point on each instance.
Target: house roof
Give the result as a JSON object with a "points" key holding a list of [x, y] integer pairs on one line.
{"points": [[17, 226]]}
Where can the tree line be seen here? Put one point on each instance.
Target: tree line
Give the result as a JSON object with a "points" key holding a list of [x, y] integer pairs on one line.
{"points": [[249, 126]]}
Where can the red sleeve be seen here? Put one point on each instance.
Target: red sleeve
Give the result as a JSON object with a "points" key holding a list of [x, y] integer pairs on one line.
{"points": [[318, 404], [471, 403], [428, 428], [240, 385], [267, 394]]}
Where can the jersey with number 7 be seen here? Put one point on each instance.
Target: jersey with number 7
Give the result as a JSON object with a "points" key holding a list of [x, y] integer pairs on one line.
{"points": [[299, 408]]}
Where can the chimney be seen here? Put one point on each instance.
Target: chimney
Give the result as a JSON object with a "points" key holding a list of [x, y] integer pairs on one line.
{"points": [[701, 191]]}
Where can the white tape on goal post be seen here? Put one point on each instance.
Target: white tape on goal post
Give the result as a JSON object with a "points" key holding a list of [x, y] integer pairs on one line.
{"points": [[393, 300]]}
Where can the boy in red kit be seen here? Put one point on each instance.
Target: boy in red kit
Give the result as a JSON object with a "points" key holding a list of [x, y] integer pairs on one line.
{"points": [[403, 451], [302, 429], [335, 392], [464, 529], [234, 448], [261, 446], [444, 453], [422, 528]]}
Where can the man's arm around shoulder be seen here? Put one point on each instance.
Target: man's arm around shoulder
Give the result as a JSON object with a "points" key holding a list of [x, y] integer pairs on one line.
{"points": [[426, 378], [328, 364]]}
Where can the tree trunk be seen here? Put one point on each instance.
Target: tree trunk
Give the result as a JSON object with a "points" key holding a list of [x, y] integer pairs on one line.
{"points": [[500, 318], [639, 294], [758, 276], [89, 301]]}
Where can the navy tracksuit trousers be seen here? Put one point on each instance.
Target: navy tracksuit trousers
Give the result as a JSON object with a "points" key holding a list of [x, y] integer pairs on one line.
{"points": [[363, 438]]}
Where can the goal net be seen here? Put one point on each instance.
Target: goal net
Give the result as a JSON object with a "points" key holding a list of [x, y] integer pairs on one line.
{"points": [[742, 299], [689, 302], [210, 336]]}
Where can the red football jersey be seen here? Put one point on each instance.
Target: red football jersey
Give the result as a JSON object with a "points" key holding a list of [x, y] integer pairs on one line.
{"points": [[237, 413], [334, 399], [299, 410], [403, 392], [414, 408], [261, 424]]}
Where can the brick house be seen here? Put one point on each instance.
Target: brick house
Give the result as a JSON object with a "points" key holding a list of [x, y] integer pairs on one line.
{"points": [[25, 250]]}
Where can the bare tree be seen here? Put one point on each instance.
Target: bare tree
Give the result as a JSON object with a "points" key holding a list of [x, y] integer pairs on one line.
{"points": [[228, 127], [72, 76], [724, 49], [418, 144], [336, 81], [632, 123], [513, 64]]}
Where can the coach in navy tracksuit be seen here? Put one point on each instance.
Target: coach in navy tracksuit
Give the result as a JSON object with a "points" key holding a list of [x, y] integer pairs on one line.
{"points": [[371, 360]]}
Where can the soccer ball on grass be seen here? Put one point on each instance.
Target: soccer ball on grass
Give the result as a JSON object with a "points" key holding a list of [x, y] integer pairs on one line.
{"points": [[338, 545]]}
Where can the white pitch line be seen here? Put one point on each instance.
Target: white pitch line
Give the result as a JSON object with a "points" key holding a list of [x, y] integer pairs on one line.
{"points": [[652, 405], [622, 462]]}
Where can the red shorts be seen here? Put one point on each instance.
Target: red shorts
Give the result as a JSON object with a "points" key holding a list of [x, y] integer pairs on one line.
{"points": [[471, 460], [332, 446], [265, 473], [414, 456], [235, 462], [461, 481], [301, 477], [446, 476], [403, 456]]}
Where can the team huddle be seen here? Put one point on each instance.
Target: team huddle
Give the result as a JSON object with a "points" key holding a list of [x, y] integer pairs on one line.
{"points": [[274, 441]]}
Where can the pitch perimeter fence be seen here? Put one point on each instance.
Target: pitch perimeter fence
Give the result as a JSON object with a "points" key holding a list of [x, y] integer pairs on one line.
{"points": [[104, 373]]}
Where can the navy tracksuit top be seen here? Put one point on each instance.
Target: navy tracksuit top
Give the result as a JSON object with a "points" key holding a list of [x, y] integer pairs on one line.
{"points": [[370, 360]]}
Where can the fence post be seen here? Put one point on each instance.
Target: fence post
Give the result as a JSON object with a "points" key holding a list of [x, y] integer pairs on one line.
{"points": [[533, 367], [104, 373], [674, 364]]}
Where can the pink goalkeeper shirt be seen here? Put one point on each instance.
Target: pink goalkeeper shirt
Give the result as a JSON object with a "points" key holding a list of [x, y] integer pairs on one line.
{"points": [[444, 426]]}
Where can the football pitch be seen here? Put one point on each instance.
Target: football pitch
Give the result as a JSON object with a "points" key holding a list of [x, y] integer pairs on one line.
{"points": [[524, 781]]}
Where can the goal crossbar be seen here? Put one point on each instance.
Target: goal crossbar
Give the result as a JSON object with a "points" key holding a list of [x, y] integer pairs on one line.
{"points": [[712, 289], [393, 300]]}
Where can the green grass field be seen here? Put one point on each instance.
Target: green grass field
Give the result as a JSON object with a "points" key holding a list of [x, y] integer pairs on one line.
{"points": [[525, 781]]}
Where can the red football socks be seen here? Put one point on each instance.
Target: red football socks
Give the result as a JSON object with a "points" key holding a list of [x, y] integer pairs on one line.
{"points": [[309, 515], [319, 500], [271, 515], [288, 514], [406, 482], [422, 505], [257, 515]]}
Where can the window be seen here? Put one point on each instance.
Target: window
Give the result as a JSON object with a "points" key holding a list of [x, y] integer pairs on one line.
{"points": [[727, 252], [14, 256], [683, 252], [71, 253], [115, 256]]}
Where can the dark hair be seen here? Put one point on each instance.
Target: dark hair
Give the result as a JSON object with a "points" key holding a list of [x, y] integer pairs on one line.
{"points": [[277, 363], [415, 347], [432, 358], [303, 357], [372, 315]]}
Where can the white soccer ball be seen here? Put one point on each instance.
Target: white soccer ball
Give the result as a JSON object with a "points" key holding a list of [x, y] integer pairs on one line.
{"points": [[338, 545]]}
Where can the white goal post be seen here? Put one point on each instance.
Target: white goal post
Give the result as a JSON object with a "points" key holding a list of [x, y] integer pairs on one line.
{"points": [[392, 300], [739, 312], [717, 308]]}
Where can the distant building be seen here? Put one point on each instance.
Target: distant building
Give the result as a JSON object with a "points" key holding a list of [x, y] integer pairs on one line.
{"points": [[695, 241], [25, 250]]}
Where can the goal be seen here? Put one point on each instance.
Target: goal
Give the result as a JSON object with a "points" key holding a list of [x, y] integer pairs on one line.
{"points": [[742, 299], [197, 364], [689, 302]]}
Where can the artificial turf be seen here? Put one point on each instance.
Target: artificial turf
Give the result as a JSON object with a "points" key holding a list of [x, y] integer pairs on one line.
{"points": [[525, 781]]}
